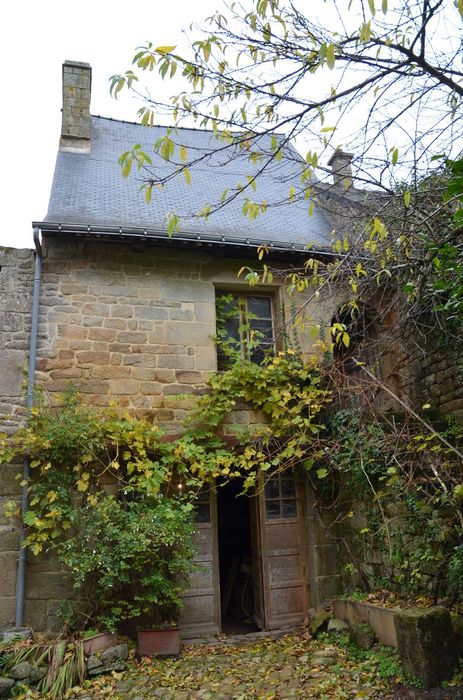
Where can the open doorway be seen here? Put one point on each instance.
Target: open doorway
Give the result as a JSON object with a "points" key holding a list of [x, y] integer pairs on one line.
{"points": [[235, 559]]}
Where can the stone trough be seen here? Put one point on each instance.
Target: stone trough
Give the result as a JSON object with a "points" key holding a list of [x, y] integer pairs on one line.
{"points": [[381, 620]]}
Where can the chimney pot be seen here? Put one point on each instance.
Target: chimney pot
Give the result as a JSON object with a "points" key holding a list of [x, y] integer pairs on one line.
{"points": [[76, 120], [341, 168]]}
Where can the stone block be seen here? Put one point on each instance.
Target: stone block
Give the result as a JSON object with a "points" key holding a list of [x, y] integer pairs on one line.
{"points": [[118, 324], [177, 361], [94, 321], [124, 386], [121, 311], [95, 309], [9, 539], [110, 372], [153, 313], [105, 335], [195, 334], [181, 315], [140, 360], [9, 484], [35, 614], [131, 337], [336, 626], [93, 358], [189, 377], [165, 376], [7, 610], [426, 643], [11, 365], [21, 671], [205, 313], [150, 388], [6, 685], [72, 373], [206, 359], [8, 564], [178, 290], [48, 584], [362, 635]]}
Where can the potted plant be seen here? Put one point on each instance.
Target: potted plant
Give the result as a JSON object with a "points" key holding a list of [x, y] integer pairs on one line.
{"points": [[130, 559], [161, 586], [94, 641]]}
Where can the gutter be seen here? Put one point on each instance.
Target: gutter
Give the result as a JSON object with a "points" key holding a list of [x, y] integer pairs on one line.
{"points": [[183, 237], [21, 572]]}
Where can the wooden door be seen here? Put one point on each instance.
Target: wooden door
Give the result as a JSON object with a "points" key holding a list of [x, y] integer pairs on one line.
{"points": [[284, 586], [201, 612]]}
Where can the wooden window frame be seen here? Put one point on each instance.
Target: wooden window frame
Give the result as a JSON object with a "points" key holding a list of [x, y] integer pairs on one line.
{"points": [[242, 297]]}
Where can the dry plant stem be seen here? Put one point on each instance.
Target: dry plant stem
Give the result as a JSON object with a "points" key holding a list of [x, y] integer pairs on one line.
{"points": [[383, 515], [421, 420]]}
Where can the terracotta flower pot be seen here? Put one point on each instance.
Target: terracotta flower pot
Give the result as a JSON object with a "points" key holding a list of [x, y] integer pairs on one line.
{"points": [[159, 642], [99, 642]]}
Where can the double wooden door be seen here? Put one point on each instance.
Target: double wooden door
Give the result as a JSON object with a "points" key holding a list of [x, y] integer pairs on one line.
{"points": [[279, 570]]}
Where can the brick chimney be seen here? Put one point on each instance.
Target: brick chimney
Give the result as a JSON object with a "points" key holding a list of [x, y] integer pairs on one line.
{"points": [[341, 169], [76, 125]]}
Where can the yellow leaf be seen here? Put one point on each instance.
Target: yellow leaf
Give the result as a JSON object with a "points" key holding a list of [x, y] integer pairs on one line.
{"points": [[183, 153], [165, 49]]}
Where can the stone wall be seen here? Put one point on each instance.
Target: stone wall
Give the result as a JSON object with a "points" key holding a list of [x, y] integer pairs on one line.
{"points": [[131, 323], [118, 322], [434, 373], [136, 324], [16, 281]]}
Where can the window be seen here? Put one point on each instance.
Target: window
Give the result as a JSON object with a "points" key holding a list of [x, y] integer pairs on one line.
{"points": [[244, 327], [362, 332], [203, 506], [280, 497]]}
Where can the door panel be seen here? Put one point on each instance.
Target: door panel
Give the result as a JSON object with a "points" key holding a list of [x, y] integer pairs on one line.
{"points": [[256, 547], [200, 614], [284, 578]]}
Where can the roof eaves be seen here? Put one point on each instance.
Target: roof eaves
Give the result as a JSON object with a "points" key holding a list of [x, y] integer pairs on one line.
{"points": [[148, 234]]}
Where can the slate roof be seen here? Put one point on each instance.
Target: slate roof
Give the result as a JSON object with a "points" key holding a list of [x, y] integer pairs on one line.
{"points": [[88, 189]]}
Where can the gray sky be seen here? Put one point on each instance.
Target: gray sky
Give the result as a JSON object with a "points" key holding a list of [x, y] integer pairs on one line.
{"points": [[35, 39]]}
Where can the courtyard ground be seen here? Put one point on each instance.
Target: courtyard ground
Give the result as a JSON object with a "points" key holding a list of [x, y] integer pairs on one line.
{"points": [[292, 666]]}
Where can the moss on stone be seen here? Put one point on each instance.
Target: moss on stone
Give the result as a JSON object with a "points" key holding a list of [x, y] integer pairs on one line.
{"points": [[427, 644]]}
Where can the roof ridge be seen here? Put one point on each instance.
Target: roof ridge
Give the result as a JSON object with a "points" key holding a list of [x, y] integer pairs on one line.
{"points": [[165, 126]]}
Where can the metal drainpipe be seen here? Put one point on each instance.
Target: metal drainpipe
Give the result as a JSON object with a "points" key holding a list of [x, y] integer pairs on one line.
{"points": [[21, 573]]}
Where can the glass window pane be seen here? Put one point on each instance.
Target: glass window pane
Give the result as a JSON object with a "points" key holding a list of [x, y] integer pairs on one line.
{"points": [[203, 513], [272, 509], [289, 509], [287, 488], [203, 495], [272, 489], [259, 307], [263, 330]]}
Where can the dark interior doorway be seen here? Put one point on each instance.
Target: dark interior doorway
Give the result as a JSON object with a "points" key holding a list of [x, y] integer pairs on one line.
{"points": [[235, 559]]}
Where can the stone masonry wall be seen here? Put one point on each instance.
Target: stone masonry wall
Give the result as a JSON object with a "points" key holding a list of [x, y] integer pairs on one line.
{"points": [[132, 324], [136, 324], [117, 322], [16, 280]]}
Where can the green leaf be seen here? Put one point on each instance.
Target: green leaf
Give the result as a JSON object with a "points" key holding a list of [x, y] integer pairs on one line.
{"points": [[407, 198], [371, 5], [322, 473], [29, 517]]}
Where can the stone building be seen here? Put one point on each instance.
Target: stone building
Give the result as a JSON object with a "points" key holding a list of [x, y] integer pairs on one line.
{"points": [[128, 313]]}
